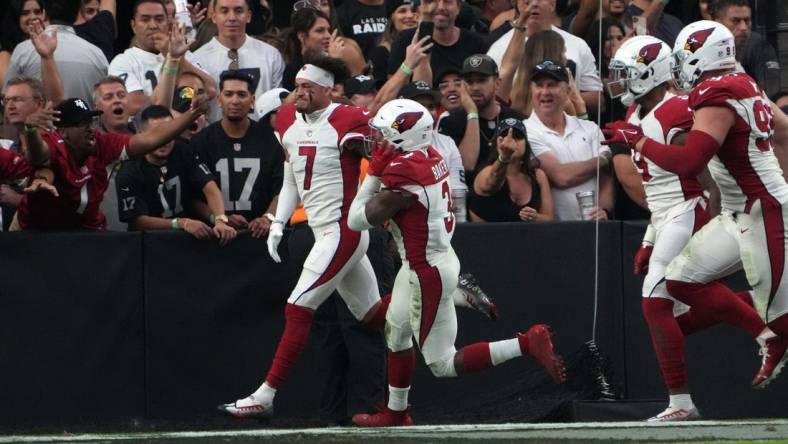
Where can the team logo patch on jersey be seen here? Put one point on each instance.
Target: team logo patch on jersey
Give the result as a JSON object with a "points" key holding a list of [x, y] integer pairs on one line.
{"points": [[648, 53], [697, 39], [405, 121]]}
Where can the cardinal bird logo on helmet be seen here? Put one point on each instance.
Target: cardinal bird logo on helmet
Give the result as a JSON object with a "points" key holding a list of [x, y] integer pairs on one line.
{"points": [[648, 53], [405, 121], [697, 39]]}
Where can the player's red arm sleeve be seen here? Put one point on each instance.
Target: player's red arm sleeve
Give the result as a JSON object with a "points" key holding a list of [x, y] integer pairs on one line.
{"points": [[688, 160]]}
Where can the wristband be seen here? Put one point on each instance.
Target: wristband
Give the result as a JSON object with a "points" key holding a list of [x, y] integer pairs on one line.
{"points": [[518, 28], [169, 69], [174, 224], [406, 69], [269, 216], [502, 160], [583, 116], [472, 116], [31, 129]]}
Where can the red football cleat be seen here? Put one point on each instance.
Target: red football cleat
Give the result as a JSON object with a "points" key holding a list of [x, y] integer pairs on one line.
{"points": [[536, 343], [775, 356], [384, 418]]}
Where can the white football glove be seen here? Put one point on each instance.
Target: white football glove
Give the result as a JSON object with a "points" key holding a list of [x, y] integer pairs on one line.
{"points": [[274, 237]]}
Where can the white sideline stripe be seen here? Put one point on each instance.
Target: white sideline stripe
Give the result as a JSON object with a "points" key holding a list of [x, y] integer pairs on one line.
{"points": [[636, 431]]}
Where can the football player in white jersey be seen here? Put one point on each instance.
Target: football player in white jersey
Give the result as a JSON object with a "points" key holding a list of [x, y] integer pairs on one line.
{"points": [[323, 143], [731, 133], [408, 184], [640, 71]]}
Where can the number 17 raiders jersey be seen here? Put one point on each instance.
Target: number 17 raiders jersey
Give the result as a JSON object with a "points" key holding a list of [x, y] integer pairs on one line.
{"points": [[325, 173], [423, 230]]}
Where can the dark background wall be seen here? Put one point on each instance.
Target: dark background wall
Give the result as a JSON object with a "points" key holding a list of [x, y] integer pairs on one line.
{"points": [[160, 326]]}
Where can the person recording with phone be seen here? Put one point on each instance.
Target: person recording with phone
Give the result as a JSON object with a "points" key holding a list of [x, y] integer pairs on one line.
{"points": [[452, 44]]}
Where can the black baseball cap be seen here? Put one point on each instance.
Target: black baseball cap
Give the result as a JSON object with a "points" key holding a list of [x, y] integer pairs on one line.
{"points": [[360, 85], [417, 89], [73, 112], [550, 68], [515, 124], [443, 72], [480, 63], [392, 5]]}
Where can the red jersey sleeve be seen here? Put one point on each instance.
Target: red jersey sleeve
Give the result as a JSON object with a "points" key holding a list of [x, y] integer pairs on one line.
{"points": [[284, 119], [13, 165], [111, 146], [674, 116], [350, 122], [58, 154], [415, 169]]}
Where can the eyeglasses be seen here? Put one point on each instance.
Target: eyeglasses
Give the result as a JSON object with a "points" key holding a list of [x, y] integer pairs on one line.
{"points": [[549, 65], [14, 99], [233, 56]]}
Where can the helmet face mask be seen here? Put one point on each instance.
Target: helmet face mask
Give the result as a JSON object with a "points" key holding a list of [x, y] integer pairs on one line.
{"points": [[640, 65]]}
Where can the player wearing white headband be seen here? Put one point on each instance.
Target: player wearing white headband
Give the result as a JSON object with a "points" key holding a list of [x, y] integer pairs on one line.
{"points": [[323, 143]]}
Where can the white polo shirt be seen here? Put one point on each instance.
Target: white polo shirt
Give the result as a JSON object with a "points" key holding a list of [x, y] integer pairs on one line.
{"points": [[577, 50], [580, 141], [261, 60]]}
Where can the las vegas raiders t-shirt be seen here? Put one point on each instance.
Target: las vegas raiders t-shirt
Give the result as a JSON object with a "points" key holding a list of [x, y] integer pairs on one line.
{"points": [[362, 23]]}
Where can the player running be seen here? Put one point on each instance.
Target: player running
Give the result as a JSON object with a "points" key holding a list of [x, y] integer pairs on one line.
{"points": [[640, 70], [731, 133], [408, 184]]}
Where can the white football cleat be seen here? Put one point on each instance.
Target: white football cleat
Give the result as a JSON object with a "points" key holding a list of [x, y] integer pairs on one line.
{"points": [[676, 415], [247, 408]]}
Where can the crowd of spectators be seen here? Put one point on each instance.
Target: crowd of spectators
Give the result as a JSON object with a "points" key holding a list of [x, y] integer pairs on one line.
{"points": [[517, 89]]}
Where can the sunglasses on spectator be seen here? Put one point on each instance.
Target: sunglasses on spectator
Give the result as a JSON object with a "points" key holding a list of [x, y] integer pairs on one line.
{"points": [[233, 56], [302, 4], [549, 66]]}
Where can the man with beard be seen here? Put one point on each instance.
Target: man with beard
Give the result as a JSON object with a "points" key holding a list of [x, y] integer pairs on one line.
{"points": [[79, 155], [243, 155], [474, 132], [153, 190]]}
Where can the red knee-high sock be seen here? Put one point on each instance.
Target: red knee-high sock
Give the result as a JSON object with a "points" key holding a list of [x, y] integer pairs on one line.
{"points": [[400, 367], [298, 322], [667, 339], [475, 357], [780, 326], [378, 319], [718, 302]]}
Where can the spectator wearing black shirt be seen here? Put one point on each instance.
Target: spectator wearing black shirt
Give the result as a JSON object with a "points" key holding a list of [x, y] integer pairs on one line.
{"points": [[753, 51], [663, 26], [363, 21], [474, 131], [153, 191], [96, 24], [402, 15], [243, 155], [452, 44]]}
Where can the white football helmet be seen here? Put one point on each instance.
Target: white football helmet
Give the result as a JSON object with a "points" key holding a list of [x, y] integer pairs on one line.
{"points": [[404, 123], [701, 46], [641, 64]]}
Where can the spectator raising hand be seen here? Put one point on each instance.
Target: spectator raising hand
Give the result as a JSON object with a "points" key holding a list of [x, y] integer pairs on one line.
{"points": [[45, 43]]}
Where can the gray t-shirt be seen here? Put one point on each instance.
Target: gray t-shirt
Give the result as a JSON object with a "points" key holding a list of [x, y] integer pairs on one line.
{"points": [[80, 63]]}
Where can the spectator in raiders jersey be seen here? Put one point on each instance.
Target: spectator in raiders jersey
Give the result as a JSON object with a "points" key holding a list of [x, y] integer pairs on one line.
{"points": [[233, 49], [79, 156], [140, 65], [154, 190], [243, 155]]}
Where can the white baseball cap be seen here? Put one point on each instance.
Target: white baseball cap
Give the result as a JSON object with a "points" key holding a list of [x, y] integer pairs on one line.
{"points": [[269, 101]]}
